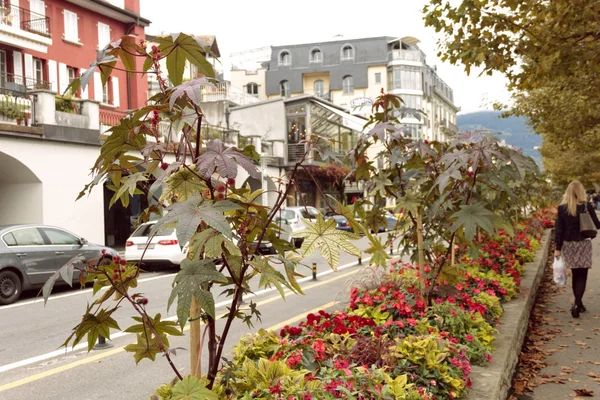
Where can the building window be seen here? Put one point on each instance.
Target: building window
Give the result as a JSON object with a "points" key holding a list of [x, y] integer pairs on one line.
{"points": [[285, 58], [284, 88], [71, 30], [348, 84], [319, 88], [193, 71], [72, 74], [38, 70], [2, 68], [252, 88], [103, 35], [378, 78], [316, 56], [411, 101], [105, 92], [347, 52], [406, 77]]}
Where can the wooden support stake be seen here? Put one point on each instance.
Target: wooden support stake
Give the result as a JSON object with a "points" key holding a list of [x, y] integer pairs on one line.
{"points": [[421, 255], [195, 336]]}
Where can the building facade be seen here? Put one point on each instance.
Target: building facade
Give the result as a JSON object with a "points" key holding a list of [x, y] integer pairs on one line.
{"points": [[48, 141], [351, 73]]}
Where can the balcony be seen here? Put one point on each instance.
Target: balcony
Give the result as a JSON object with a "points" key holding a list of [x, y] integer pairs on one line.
{"points": [[225, 92], [406, 55], [24, 28], [19, 85]]}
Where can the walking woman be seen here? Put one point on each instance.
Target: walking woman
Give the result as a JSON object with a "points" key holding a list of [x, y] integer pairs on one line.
{"points": [[571, 244]]}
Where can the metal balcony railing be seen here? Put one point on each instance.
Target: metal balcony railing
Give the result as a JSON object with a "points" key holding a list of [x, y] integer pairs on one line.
{"points": [[406, 55], [296, 151], [25, 19], [18, 84]]}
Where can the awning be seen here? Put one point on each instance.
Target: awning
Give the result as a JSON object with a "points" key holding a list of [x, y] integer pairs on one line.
{"points": [[348, 120]]}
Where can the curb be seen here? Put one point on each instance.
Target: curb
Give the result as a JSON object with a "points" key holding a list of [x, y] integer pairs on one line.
{"points": [[493, 381]]}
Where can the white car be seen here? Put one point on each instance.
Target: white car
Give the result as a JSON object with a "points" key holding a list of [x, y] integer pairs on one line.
{"points": [[164, 248], [290, 222]]}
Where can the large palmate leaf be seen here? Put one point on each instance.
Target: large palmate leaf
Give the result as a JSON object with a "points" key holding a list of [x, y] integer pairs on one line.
{"points": [[179, 48], [193, 90], [471, 217], [379, 256], [93, 325], [182, 185], [270, 276], [189, 214], [65, 272], [191, 281], [192, 388], [444, 178], [379, 182], [225, 161], [128, 187], [323, 236], [162, 328], [144, 348]]}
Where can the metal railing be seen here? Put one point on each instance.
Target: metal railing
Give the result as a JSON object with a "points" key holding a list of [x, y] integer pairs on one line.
{"points": [[108, 119], [296, 151], [18, 84], [224, 91], [16, 109], [25, 19], [406, 55]]}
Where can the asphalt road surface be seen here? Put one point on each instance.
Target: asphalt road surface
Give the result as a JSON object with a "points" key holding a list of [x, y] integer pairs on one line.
{"points": [[33, 367]]}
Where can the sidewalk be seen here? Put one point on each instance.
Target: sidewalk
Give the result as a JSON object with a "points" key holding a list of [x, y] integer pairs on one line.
{"points": [[568, 349]]}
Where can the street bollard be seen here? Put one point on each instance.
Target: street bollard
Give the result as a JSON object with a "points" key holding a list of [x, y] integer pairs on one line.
{"points": [[359, 260], [314, 268], [391, 249], [102, 344]]}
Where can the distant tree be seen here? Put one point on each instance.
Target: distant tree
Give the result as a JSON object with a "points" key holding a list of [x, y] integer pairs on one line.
{"points": [[549, 53]]}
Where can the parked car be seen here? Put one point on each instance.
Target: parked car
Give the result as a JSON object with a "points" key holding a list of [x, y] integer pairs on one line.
{"points": [[341, 222], [291, 222], [30, 254], [164, 248]]}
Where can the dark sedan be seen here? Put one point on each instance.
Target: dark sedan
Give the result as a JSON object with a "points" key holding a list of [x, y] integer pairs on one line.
{"points": [[30, 254], [341, 222]]}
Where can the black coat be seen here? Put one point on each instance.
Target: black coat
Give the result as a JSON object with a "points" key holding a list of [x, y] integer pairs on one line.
{"points": [[567, 226]]}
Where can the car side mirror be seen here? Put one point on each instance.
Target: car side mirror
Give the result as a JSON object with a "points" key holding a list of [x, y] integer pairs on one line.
{"points": [[83, 241]]}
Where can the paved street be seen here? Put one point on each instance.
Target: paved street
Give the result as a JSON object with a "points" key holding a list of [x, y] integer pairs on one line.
{"points": [[31, 367]]}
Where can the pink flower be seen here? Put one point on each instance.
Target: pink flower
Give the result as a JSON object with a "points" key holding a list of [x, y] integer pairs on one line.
{"points": [[469, 338], [459, 286], [433, 383]]}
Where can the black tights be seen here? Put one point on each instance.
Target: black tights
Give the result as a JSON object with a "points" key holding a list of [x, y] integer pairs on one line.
{"points": [[579, 281]]}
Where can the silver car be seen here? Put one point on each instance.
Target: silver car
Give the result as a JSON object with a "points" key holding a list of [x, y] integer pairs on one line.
{"points": [[30, 254], [290, 221]]}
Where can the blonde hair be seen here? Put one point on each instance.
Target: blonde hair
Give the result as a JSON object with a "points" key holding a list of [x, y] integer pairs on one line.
{"points": [[575, 194]]}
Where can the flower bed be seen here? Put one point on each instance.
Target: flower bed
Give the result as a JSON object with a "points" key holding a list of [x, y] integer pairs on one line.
{"points": [[388, 344]]}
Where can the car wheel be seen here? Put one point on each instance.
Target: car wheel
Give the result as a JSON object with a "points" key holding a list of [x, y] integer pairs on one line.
{"points": [[10, 287]]}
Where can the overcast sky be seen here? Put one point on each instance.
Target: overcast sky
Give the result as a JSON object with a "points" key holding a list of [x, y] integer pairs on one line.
{"points": [[244, 25]]}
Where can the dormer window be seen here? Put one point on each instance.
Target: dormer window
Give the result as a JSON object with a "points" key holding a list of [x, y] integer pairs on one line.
{"points": [[347, 52], [316, 56], [285, 58]]}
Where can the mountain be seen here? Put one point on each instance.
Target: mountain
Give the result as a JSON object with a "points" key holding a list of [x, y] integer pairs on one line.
{"points": [[514, 130]]}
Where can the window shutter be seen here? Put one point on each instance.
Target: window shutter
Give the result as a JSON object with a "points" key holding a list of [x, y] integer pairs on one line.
{"points": [[115, 90], [18, 67], [84, 92], [103, 35], [52, 75], [63, 78], [71, 31], [15, 11], [97, 87], [28, 69]]}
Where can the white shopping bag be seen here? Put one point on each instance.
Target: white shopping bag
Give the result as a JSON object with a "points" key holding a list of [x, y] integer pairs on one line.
{"points": [[560, 275]]}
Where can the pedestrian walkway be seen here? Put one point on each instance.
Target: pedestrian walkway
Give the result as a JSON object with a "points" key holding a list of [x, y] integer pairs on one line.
{"points": [[568, 347]]}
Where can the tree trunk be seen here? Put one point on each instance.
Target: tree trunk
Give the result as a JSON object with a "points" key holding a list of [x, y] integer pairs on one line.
{"points": [[195, 337], [421, 255]]}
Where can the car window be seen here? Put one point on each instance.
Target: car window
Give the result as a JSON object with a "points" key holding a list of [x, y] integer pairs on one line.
{"points": [[144, 231], [28, 237], [9, 239], [304, 213], [288, 214], [60, 237], [313, 212]]}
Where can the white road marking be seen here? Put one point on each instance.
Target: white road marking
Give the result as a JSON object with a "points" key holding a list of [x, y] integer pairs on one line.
{"points": [[81, 346], [75, 293]]}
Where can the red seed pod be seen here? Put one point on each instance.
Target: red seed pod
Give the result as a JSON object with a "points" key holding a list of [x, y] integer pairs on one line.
{"points": [[220, 188], [123, 262], [164, 165], [231, 181]]}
